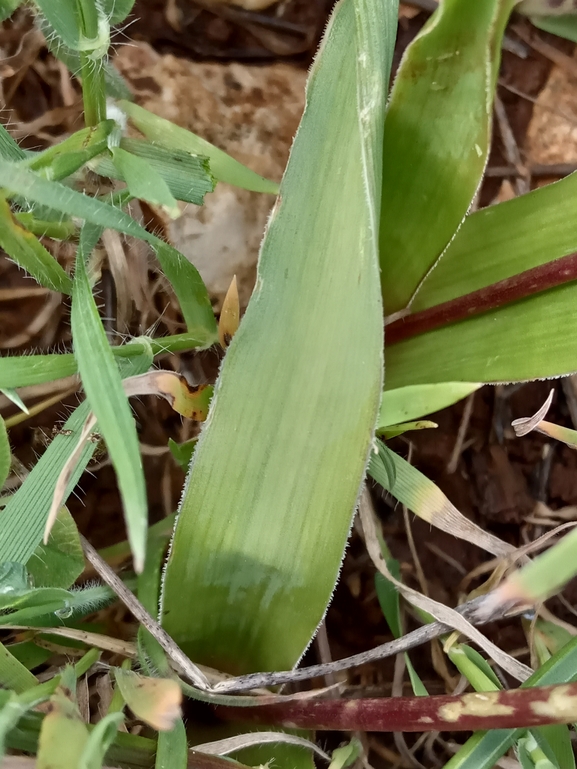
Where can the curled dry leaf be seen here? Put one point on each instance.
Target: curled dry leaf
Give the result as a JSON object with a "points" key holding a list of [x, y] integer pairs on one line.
{"points": [[526, 425], [191, 402]]}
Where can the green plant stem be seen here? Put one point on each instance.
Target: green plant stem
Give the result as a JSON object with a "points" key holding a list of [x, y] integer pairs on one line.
{"points": [[513, 289], [93, 90]]}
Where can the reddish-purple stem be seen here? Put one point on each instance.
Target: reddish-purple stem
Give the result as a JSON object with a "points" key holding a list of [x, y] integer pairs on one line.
{"points": [[520, 286], [510, 709]]}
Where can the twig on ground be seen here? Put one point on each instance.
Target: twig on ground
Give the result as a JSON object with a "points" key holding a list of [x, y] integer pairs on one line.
{"points": [[186, 668], [512, 154]]}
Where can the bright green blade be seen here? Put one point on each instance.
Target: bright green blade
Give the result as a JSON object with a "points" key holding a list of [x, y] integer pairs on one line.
{"points": [[529, 339], [504, 240], [27, 251], [408, 403], [23, 519], [63, 159], [277, 470], [437, 136], [102, 383], [185, 279], [21, 371], [171, 136]]}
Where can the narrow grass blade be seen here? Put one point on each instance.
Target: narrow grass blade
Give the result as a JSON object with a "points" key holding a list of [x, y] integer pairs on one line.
{"points": [[13, 674], [13, 396], [503, 240], [5, 456], [408, 403], [27, 251], [165, 133], [99, 741], [185, 279], [172, 748], [103, 386], [187, 176], [25, 370], [439, 126], [32, 501], [389, 602], [252, 541], [14, 706], [426, 500], [9, 149], [541, 578], [144, 182], [66, 157]]}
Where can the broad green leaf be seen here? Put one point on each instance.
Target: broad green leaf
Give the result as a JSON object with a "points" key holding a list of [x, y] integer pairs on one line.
{"points": [[187, 176], [66, 157], [187, 283], [171, 136], [504, 240], [563, 26], [267, 508], [483, 749], [29, 654], [144, 182], [525, 340], [407, 403], [102, 384], [172, 748], [5, 456], [437, 136], [13, 674], [60, 561], [9, 149], [425, 499], [27, 251]]}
